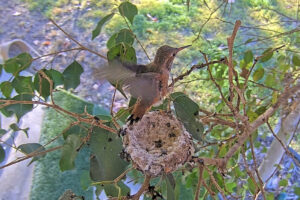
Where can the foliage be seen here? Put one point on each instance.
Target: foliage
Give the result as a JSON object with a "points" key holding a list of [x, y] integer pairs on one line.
{"points": [[49, 180], [233, 96]]}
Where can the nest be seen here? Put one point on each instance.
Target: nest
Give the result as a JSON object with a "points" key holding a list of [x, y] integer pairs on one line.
{"points": [[158, 143]]}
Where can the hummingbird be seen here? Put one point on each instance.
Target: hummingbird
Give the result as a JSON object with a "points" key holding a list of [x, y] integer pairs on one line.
{"points": [[147, 83]]}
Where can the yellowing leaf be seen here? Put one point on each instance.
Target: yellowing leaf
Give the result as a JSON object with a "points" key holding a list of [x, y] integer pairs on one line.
{"points": [[258, 74]]}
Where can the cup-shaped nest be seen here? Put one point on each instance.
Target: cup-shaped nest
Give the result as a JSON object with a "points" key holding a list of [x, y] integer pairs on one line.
{"points": [[158, 143]]}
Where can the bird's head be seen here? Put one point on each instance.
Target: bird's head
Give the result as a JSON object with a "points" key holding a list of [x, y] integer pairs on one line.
{"points": [[165, 55]]}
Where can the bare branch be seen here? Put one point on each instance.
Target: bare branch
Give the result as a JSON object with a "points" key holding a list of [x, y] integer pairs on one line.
{"points": [[215, 182], [30, 155], [200, 166], [92, 121], [261, 184], [79, 44], [143, 188]]}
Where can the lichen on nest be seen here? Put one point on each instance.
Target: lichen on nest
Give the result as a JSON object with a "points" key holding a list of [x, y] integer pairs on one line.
{"points": [[158, 143]]}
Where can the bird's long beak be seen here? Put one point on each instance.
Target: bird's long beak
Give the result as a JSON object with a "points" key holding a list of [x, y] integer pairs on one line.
{"points": [[180, 48]]}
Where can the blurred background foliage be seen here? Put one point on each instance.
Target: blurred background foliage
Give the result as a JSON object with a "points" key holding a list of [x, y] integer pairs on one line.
{"points": [[206, 25]]}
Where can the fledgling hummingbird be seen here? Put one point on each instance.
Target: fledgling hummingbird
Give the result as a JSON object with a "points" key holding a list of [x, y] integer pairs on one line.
{"points": [[148, 83]]}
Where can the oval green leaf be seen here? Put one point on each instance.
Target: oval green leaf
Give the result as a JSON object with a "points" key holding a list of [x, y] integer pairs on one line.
{"points": [[6, 88], [23, 84], [258, 74], [296, 60], [98, 28], [128, 10], [18, 63], [125, 36], [106, 163], [186, 110], [72, 75], [2, 154], [267, 55], [112, 41], [20, 109], [69, 152], [30, 148], [248, 56]]}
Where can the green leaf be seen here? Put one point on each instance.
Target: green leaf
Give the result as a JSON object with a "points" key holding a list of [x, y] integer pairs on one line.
{"points": [[112, 190], [283, 182], [128, 10], [266, 55], [18, 63], [2, 132], [56, 77], [41, 85], [112, 41], [251, 115], [2, 154], [230, 186], [186, 110], [72, 75], [249, 40], [69, 152], [170, 182], [270, 196], [252, 186], [20, 109], [6, 88], [260, 110], [30, 148], [297, 190], [15, 127], [23, 84], [105, 163], [223, 151], [122, 51], [125, 36], [271, 80], [122, 115], [296, 60], [186, 105], [85, 180], [258, 74], [98, 28], [248, 56], [274, 97]]}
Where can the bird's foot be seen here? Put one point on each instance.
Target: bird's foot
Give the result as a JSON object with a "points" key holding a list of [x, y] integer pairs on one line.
{"points": [[132, 118]]}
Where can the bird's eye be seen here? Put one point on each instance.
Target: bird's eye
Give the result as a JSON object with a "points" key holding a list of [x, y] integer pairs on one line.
{"points": [[174, 54]]}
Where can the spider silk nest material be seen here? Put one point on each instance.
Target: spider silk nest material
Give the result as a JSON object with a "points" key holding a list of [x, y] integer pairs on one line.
{"points": [[158, 143]]}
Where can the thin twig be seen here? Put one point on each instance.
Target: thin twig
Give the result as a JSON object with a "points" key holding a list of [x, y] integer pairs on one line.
{"points": [[283, 145], [215, 182], [56, 107], [207, 20], [79, 44], [194, 67], [30, 155], [136, 38], [261, 184], [200, 166]]}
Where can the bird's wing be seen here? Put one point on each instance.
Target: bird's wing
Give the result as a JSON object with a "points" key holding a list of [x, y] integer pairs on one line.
{"points": [[144, 86], [116, 71], [132, 78]]}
